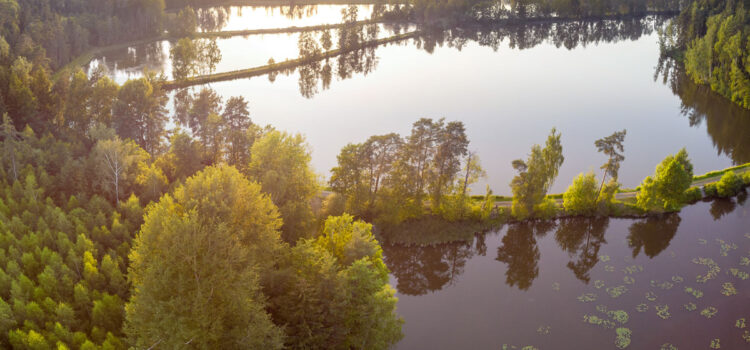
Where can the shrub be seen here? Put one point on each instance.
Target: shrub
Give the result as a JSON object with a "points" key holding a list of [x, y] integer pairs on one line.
{"points": [[581, 196], [746, 179], [729, 184], [693, 194], [710, 190], [666, 189], [546, 210]]}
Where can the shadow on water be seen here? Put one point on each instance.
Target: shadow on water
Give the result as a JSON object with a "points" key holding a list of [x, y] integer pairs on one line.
{"points": [[653, 234], [582, 238]]}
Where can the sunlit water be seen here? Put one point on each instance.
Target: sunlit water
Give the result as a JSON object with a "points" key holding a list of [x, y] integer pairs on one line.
{"points": [[520, 286], [264, 17]]}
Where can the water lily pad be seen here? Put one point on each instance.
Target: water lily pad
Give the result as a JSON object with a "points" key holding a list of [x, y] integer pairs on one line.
{"points": [[629, 270], [709, 312], [702, 241], [619, 315], [667, 346], [725, 247], [543, 330], [739, 273], [695, 292], [601, 308], [616, 292], [641, 308], [598, 284], [609, 268], [650, 296], [690, 306], [663, 311], [740, 323], [622, 340], [677, 279], [715, 344], [662, 285], [598, 321], [588, 297], [555, 286], [745, 261], [604, 258], [728, 289], [746, 336], [713, 269], [628, 280]]}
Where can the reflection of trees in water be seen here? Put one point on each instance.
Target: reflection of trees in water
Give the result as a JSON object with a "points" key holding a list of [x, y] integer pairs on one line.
{"points": [[721, 207], [315, 76], [653, 234], [212, 19], [521, 252], [726, 123], [135, 58], [582, 238], [423, 269]]}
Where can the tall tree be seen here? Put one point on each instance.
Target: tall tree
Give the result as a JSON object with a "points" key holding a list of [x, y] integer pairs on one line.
{"points": [[140, 112], [196, 265], [536, 175], [612, 147], [237, 120], [280, 162], [117, 164]]}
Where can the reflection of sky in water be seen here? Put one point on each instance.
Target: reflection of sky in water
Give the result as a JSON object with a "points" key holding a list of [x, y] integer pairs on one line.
{"points": [[508, 100], [252, 17], [238, 52]]}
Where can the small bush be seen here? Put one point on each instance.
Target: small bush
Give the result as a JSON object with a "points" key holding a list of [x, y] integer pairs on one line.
{"points": [[710, 190], [693, 194], [581, 196], [746, 178], [729, 185], [546, 210]]}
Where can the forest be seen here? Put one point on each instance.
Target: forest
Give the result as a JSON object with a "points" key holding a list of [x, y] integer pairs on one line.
{"points": [[120, 231]]}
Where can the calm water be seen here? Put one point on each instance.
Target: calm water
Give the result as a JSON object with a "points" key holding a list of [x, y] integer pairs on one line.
{"points": [[263, 17], [520, 286]]}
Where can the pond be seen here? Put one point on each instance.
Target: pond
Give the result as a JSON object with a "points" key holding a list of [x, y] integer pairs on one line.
{"points": [[681, 279], [508, 85]]}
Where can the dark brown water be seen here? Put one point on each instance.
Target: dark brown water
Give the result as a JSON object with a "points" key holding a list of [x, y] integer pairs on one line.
{"points": [[520, 286]]}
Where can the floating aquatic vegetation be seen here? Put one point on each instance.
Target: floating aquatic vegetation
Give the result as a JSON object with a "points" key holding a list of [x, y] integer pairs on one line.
{"points": [[746, 336], [713, 269], [702, 241], [601, 308], [663, 285], [616, 292], [663, 311], [513, 347], [672, 254], [619, 315], [667, 346], [598, 321], [690, 306], [650, 296], [677, 279], [725, 247], [529, 347], [623, 337], [747, 235], [628, 280], [543, 330], [585, 298], [555, 286], [715, 344], [604, 258], [695, 292], [598, 284], [641, 307], [739, 273], [709, 312], [740, 323], [728, 289], [609, 268], [745, 261], [632, 269]]}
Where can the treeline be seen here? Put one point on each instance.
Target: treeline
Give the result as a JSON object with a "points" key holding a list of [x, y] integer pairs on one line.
{"points": [[712, 39], [476, 10]]}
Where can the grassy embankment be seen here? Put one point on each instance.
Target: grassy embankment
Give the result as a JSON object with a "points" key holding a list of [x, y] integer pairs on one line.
{"points": [[288, 64], [430, 229]]}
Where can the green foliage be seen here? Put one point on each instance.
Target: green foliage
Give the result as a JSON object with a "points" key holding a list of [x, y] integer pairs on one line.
{"points": [[693, 194], [666, 189], [581, 196], [185, 23], [535, 176], [211, 241], [280, 162], [729, 185]]}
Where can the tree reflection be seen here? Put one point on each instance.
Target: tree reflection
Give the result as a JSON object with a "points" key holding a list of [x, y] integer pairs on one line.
{"points": [[653, 234], [725, 122], [519, 250], [721, 207], [212, 19], [423, 269], [582, 238]]}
